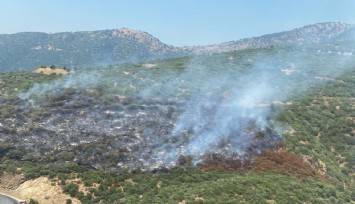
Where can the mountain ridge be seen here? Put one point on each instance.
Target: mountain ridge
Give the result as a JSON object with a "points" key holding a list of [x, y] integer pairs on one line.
{"points": [[296, 35], [26, 50], [84, 48]]}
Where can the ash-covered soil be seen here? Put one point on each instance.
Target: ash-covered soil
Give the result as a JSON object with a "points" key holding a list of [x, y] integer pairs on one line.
{"points": [[133, 134]]}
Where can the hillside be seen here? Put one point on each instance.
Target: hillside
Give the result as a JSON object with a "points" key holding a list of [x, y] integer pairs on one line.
{"points": [[86, 48], [318, 33], [25, 51], [265, 125]]}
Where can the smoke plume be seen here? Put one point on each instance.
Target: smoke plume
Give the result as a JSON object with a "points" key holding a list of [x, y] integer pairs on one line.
{"points": [[219, 104]]}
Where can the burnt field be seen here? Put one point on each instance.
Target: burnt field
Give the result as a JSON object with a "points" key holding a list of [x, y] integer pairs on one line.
{"points": [[135, 135]]}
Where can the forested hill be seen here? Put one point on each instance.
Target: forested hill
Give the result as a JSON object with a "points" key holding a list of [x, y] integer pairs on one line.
{"points": [[30, 49], [27, 50]]}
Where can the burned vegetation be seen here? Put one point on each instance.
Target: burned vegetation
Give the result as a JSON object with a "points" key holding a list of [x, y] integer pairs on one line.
{"points": [[115, 132], [131, 117]]}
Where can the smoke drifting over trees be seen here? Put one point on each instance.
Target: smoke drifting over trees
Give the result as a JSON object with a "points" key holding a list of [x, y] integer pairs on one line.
{"points": [[221, 104]]}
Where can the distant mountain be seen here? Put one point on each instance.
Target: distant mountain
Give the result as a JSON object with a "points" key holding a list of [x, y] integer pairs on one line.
{"points": [[91, 48], [309, 34], [31, 49]]}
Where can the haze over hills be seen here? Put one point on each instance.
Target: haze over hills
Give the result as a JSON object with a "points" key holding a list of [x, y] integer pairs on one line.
{"points": [[28, 50], [310, 34]]}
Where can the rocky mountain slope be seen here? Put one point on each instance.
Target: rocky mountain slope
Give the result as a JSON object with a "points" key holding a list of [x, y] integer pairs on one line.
{"points": [[30, 49], [310, 34]]}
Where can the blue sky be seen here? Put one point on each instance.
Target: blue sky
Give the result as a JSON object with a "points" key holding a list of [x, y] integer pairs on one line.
{"points": [[175, 22]]}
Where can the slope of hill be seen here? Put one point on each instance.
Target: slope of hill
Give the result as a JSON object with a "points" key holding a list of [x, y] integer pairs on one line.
{"points": [[31, 49], [24, 51], [310, 34]]}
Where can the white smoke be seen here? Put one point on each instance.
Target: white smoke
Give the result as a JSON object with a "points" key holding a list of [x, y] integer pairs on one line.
{"points": [[79, 81], [228, 105], [226, 99]]}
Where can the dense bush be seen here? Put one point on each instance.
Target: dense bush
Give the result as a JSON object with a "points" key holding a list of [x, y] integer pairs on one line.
{"points": [[72, 189]]}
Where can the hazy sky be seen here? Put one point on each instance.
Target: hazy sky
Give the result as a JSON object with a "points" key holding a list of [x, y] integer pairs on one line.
{"points": [[175, 22]]}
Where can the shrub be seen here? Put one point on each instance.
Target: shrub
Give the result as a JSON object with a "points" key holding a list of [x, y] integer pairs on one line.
{"points": [[32, 201], [72, 189]]}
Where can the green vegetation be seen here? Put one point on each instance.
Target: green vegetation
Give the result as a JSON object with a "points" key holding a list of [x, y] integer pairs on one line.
{"points": [[323, 123], [32, 201], [25, 50], [194, 186], [14, 83]]}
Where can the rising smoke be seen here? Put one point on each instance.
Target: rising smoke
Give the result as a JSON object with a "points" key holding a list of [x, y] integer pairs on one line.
{"points": [[226, 101], [230, 105]]}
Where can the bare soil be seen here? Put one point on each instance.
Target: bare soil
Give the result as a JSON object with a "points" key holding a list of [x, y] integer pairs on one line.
{"points": [[40, 189]]}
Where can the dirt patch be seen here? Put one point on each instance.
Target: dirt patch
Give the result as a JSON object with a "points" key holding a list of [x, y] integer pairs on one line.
{"points": [[291, 132], [199, 199], [49, 71], [351, 118], [303, 142], [288, 71], [322, 168], [10, 181], [159, 184], [329, 79], [149, 65], [42, 190], [130, 181], [270, 202]]}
